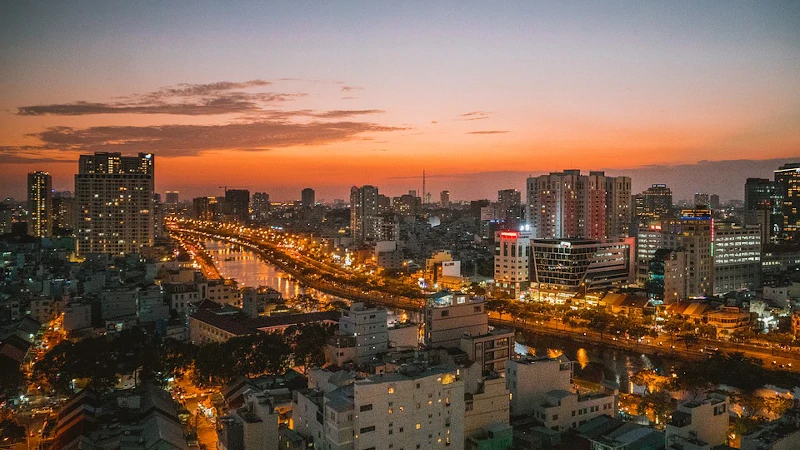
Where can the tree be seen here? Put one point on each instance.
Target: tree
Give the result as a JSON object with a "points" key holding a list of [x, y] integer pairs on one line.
{"points": [[657, 405], [309, 342]]}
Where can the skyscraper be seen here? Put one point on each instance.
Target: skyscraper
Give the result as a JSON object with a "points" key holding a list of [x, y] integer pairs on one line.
{"points": [[261, 205], [702, 199], [173, 197], [238, 203], [206, 208], [308, 198], [763, 205], [364, 223], [693, 234], [654, 204], [40, 204], [618, 207], [445, 199], [509, 204], [570, 205], [63, 210], [787, 179], [114, 196]]}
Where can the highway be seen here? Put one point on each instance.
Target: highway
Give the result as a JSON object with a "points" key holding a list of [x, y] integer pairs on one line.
{"points": [[328, 278]]}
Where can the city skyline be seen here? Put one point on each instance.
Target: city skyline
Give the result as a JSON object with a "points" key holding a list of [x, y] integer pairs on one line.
{"points": [[311, 95]]}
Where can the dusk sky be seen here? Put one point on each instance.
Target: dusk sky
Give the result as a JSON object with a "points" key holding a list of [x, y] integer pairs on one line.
{"points": [[277, 97]]}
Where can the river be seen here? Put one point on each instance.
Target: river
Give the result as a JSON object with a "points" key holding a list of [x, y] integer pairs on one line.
{"points": [[592, 362]]}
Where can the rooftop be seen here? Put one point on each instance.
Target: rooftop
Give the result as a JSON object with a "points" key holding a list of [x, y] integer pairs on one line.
{"points": [[239, 324]]}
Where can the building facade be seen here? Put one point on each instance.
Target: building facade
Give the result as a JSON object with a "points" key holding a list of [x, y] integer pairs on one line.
{"points": [[40, 204], [114, 197], [512, 260], [570, 205], [417, 408], [737, 257], [787, 180], [364, 219], [308, 198], [580, 264]]}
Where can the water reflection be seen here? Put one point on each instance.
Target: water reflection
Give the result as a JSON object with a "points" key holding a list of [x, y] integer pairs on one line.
{"points": [[248, 269], [594, 363]]}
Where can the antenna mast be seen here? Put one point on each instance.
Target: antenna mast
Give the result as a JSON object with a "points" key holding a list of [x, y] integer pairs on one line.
{"points": [[423, 187]]}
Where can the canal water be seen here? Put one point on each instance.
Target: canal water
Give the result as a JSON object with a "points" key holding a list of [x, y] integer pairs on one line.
{"points": [[249, 270], [592, 363]]}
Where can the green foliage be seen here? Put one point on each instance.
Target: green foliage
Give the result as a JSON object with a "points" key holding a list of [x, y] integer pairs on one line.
{"points": [[308, 342], [253, 355], [657, 404]]}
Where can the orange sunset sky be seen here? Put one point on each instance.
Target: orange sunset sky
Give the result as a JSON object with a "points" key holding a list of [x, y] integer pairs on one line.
{"points": [[275, 98]]}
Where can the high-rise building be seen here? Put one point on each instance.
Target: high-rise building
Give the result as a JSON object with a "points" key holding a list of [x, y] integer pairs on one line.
{"points": [[173, 197], [713, 202], [114, 196], [763, 205], [63, 210], [364, 220], [592, 206], [407, 204], [40, 204], [308, 198], [509, 205], [693, 233], [445, 199], [261, 205], [702, 199], [737, 257], [206, 208], [567, 204], [618, 207], [648, 241], [787, 180], [238, 204], [652, 205]]}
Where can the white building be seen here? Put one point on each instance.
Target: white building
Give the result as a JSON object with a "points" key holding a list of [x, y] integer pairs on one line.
{"points": [[512, 260], [705, 421], [420, 408], [254, 426], [737, 257], [543, 387], [449, 316], [648, 240], [529, 379], [367, 325], [487, 407]]}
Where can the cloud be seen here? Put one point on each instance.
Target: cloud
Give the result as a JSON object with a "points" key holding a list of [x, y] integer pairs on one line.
{"points": [[193, 90], [338, 113], [347, 88], [217, 98], [489, 132], [189, 140], [474, 115], [350, 97]]}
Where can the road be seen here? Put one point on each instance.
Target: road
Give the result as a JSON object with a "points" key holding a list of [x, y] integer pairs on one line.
{"points": [[664, 344], [295, 263]]}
